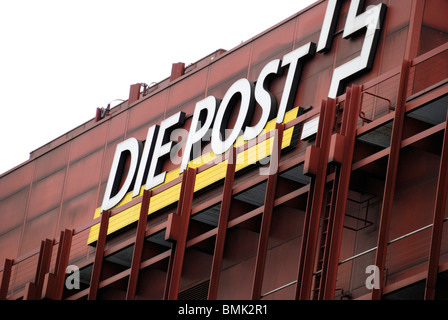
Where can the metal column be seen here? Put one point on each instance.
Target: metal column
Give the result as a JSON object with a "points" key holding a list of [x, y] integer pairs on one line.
{"points": [[263, 239], [439, 215], [138, 246], [344, 141], [316, 166], [54, 284], [222, 226], [33, 290], [6, 278], [99, 255], [391, 177], [177, 230]]}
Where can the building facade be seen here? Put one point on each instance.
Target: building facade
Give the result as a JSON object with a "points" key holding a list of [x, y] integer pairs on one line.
{"points": [[309, 162]]}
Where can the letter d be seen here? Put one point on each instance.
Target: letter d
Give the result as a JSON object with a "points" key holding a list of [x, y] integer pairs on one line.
{"points": [[133, 147]]}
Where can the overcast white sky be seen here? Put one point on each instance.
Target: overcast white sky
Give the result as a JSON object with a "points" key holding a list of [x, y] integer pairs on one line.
{"points": [[61, 59]]}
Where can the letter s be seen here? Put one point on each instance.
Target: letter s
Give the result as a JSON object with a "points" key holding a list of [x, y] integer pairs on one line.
{"points": [[371, 20]]}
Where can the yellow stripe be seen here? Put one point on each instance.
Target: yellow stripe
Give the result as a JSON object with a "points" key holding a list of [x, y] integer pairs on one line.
{"points": [[203, 179]]}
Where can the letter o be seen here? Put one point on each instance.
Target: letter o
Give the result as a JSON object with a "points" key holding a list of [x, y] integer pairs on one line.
{"points": [[241, 88]]}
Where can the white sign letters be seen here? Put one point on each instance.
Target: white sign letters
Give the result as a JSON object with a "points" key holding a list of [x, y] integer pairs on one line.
{"points": [[212, 115]]}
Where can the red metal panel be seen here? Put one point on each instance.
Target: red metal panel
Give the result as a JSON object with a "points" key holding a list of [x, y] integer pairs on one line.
{"points": [[89, 142], [269, 198], [273, 45], [73, 210], [391, 177], [145, 113], [82, 179], [41, 227], [222, 226], [82, 175], [51, 162], [395, 36], [434, 28], [16, 179], [184, 95], [138, 247], [13, 212], [99, 255], [227, 69], [46, 195]]}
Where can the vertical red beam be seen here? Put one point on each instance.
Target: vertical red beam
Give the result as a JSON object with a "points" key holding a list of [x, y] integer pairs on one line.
{"points": [[7, 269], [55, 283], [134, 93], [98, 114], [177, 70], [44, 267], [171, 232], [266, 219], [99, 255], [303, 253], [44, 260], [319, 154], [306, 223], [169, 272], [331, 257], [180, 232], [222, 226], [439, 215], [138, 246], [391, 177], [415, 26], [58, 263], [33, 290]]}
